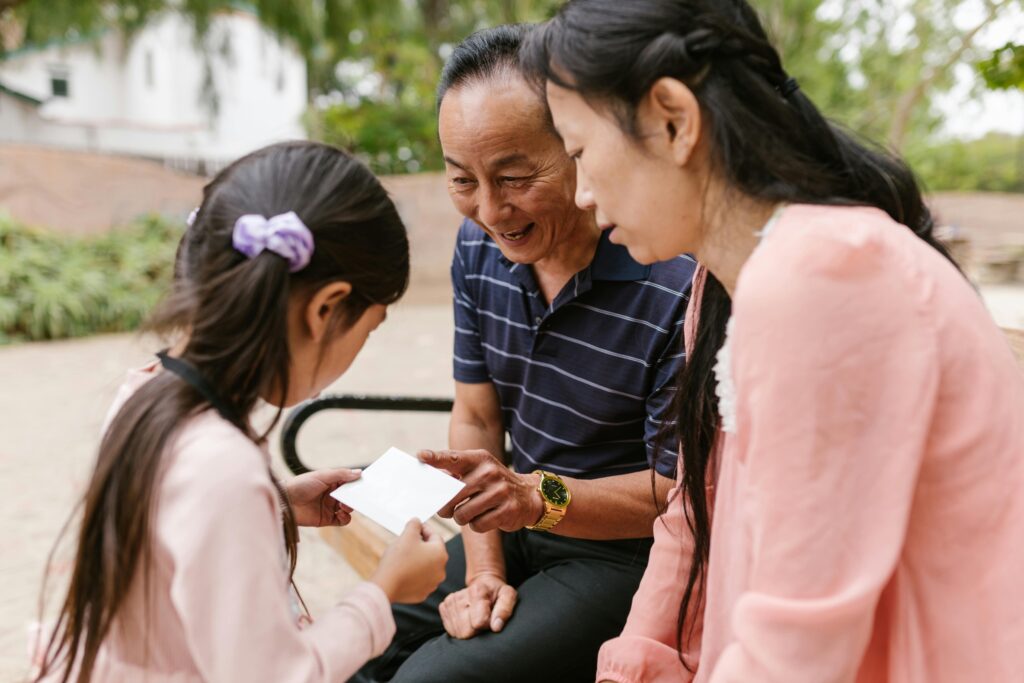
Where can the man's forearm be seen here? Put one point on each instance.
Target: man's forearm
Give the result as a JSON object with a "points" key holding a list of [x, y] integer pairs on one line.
{"points": [[484, 554], [622, 506]]}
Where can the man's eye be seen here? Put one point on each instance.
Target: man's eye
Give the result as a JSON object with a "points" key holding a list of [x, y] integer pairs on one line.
{"points": [[461, 183], [513, 180]]}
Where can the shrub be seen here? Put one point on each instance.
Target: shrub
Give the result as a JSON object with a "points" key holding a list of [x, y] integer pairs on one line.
{"points": [[994, 163], [54, 287], [389, 137]]}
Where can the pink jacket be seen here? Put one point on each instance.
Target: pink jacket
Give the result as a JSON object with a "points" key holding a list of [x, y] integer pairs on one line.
{"points": [[218, 607], [869, 510]]}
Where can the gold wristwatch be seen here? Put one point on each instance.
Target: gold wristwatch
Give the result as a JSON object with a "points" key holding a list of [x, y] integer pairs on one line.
{"points": [[556, 497]]}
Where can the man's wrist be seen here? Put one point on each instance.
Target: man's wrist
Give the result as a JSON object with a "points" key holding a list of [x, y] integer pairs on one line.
{"points": [[536, 509], [493, 573]]}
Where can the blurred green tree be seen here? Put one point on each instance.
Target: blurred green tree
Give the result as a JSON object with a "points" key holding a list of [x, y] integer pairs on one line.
{"points": [[1004, 69], [876, 66]]}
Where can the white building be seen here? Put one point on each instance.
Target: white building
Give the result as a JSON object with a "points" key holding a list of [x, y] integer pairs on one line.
{"points": [[157, 94]]}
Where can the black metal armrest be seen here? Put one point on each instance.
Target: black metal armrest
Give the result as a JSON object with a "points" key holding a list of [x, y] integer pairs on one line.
{"points": [[304, 411]]}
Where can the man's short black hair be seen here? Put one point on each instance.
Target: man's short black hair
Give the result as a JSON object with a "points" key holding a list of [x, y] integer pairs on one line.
{"points": [[485, 53]]}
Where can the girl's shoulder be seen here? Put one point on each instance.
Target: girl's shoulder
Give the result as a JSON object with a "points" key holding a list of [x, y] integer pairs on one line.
{"points": [[206, 450], [210, 454]]}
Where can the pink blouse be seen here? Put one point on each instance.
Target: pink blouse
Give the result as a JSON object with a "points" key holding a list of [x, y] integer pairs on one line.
{"points": [[218, 607], [869, 511]]}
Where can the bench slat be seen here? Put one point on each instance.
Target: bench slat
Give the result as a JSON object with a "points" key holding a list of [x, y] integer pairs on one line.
{"points": [[1016, 338]]}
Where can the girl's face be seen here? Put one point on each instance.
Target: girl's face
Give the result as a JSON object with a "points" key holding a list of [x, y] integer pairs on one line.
{"points": [[645, 191], [319, 359]]}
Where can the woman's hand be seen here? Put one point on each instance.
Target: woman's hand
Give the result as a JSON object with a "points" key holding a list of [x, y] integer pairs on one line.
{"points": [[309, 495]]}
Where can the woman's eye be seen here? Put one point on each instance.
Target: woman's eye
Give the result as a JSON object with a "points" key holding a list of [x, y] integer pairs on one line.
{"points": [[575, 156]]}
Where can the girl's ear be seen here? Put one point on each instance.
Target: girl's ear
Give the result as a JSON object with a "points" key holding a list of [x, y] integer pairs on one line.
{"points": [[670, 111], [321, 308]]}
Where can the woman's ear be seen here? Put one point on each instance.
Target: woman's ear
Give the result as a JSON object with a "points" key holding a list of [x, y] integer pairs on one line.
{"points": [[321, 308], [670, 112]]}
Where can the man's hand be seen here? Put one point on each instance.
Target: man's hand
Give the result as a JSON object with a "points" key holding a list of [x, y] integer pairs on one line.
{"points": [[486, 604], [309, 495], [495, 497]]}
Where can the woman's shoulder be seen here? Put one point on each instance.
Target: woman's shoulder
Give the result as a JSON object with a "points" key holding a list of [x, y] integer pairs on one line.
{"points": [[835, 239], [826, 250], [836, 271]]}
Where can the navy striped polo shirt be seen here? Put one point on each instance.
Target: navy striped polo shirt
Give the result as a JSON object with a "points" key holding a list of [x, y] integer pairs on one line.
{"points": [[585, 383]]}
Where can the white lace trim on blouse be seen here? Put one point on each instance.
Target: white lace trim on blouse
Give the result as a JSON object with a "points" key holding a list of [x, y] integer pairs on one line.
{"points": [[725, 388]]}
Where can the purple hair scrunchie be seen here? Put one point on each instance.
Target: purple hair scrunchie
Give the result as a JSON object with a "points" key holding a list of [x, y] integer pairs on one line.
{"points": [[285, 235]]}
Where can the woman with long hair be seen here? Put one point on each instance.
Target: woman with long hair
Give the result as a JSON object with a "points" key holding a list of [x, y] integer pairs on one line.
{"points": [[851, 420]]}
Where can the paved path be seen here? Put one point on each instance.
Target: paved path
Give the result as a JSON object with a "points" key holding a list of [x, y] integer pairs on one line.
{"points": [[53, 400]]}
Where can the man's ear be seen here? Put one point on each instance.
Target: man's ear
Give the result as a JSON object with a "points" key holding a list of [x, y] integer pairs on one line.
{"points": [[321, 307], [670, 114]]}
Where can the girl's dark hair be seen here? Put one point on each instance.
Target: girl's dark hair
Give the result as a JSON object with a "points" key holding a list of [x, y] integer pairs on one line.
{"points": [[768, 141], [234, 311]]}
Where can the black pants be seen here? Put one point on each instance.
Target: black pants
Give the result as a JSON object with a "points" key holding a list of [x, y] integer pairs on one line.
{"points": [[573, 596]]}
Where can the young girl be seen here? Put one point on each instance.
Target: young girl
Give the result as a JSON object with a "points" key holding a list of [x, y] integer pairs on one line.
{"points": [[182, 572], [865, 414]]}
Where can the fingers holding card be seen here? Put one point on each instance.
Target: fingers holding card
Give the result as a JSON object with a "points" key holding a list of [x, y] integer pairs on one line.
{"points": [[396, 488]]}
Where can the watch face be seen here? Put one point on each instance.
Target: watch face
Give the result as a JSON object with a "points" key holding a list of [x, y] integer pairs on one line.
{"points": [[555, 491]]}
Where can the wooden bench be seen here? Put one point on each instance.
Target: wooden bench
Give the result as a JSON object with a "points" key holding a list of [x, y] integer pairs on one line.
{"points": [[1016, 338], [362, 542]]}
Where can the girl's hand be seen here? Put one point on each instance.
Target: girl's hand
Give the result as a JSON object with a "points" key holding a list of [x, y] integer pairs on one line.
{"points": [[309, 495], [413, 566]]}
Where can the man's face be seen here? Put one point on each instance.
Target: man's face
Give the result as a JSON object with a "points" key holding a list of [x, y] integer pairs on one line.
{"points": [[507, 171]]}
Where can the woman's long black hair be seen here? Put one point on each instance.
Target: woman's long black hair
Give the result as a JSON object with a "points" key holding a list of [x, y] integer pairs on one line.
{"points": [[768, 141], [235, 312]]}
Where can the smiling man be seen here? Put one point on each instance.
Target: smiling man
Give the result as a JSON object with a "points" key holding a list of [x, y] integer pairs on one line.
{"points": [[570, 348]]}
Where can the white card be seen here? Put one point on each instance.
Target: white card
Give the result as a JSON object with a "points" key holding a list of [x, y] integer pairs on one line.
{"points": [[398, 487]]}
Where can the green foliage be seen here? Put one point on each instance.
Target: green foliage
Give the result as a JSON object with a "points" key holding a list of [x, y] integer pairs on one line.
{"points": [[52, 287], [878, 66], [1004, 70], [990, 164], [390, 138], [393, 128]]}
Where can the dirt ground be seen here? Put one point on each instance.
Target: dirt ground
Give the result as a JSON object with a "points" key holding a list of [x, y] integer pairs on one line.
{"points": [[53, 401]]}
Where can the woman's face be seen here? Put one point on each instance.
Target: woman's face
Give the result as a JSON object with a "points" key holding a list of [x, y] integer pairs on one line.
{"points": [[640, 189]]}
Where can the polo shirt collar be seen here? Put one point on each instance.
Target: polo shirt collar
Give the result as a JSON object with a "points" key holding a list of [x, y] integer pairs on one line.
{"points": [[612, 262]]}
